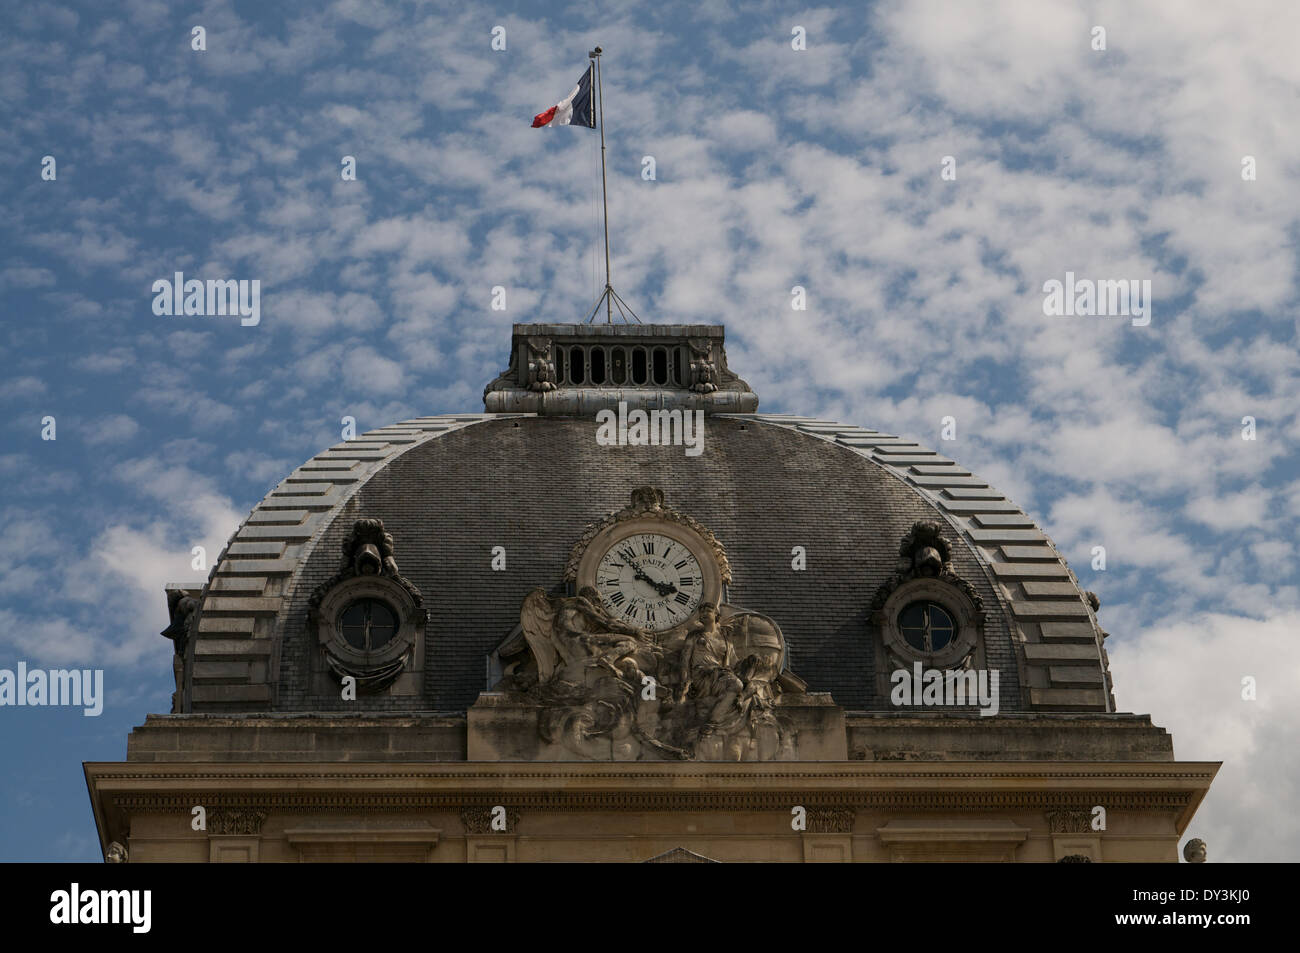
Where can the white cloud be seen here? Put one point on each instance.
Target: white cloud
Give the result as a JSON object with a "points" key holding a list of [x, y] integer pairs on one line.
{"points": [[114, 429], [1188, 676]]}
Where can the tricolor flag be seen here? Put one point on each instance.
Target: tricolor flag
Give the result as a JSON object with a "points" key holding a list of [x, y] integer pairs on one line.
{"points": [[577, 109]]}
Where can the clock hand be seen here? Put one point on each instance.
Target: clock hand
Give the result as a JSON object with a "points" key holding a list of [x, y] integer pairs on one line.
{"points": [[663, 588]]}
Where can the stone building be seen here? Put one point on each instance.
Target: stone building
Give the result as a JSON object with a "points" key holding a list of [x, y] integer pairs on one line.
{"points": [[623, 616]]}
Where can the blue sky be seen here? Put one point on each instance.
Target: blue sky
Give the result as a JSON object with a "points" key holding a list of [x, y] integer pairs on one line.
{"points": [[775, 168]]}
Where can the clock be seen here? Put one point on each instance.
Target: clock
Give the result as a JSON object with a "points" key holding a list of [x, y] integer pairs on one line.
{"points": [[651, 573], [651, 581]]}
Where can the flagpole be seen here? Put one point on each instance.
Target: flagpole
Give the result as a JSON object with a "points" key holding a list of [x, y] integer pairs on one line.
{"points": [[611, 297], [594, 55]]}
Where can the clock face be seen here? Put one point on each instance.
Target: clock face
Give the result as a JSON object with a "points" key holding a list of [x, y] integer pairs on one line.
{"points": [[650, 581]]}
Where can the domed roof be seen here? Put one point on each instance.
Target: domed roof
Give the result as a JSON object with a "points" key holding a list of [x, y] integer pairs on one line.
{"points": [[452, 489]]}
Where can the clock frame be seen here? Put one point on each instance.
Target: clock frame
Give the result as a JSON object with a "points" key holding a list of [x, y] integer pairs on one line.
{"points": [[611, 536]]}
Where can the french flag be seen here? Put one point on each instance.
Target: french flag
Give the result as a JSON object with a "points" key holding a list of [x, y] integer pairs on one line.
{"points": [[577, 109]]}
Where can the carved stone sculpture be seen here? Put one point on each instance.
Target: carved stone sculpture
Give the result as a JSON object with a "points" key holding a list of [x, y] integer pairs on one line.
{"points": [[1194, 851], [180, 609], [705, 690], [541, 369], [705, 378], [366, 551], [116, 854], [924, 553]]}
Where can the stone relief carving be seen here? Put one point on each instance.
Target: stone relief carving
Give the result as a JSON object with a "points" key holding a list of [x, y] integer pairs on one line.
{"points": [[1075, 859], [235, 821], [831, 820], [706, 690], [478, 820], [1194, 851], [1069, 822], [541, 368], [116, 854]]}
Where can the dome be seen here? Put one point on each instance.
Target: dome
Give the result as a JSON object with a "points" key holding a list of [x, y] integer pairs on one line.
{"points": [[623, 615], [825, 528]]}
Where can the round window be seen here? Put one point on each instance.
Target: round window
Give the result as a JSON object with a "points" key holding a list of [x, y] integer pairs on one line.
{"points": [[927, 626], [367, 624]]}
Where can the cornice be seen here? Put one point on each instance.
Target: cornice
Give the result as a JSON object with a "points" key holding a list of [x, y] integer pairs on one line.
{"points": [[632, 774], [656, 800]]}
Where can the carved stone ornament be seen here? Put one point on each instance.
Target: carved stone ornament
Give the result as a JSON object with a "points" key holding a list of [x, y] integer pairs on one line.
{"points": [[703, 685], [235, 821], [367, 551], [705, 378], [181, 606], [1069, 822], [925, 554], [368, 571], [116, 854], [1075, 859], [924, 573], [180, 611], [705, 690], [478, 820], [1194, 851], [831, 820], [541, 368], [647, 501]]}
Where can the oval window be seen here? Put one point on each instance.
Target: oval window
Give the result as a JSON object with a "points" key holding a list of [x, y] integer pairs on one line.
{"points": [[927, 626], [367, 624]]}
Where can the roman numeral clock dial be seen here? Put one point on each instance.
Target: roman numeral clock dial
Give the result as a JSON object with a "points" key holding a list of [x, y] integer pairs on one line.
{"points": [[650, 581]]}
